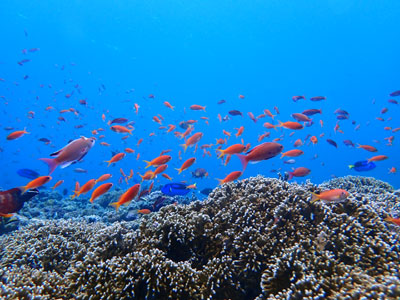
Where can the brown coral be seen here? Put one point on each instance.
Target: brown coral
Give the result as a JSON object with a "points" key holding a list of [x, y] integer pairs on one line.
{"points": [[257, 239]]}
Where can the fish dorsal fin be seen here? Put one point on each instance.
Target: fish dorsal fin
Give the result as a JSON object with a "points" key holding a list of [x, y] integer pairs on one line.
{"points": [[56, 153]]}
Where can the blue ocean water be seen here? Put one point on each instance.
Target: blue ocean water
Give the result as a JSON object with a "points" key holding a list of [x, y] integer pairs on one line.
{"points": [[115, 54]]}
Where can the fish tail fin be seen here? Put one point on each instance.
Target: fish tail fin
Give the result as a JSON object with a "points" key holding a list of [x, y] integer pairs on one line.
{"points": [[109, 162], [314, 197], [351, 166], [51, 162], [283, 155], [179, 170], [184, 147], [148, 164], [222, 153], [243, 161], [116, 205], [26, 132], [220, 181], [290, 175], [130, 131], [204, 109]]}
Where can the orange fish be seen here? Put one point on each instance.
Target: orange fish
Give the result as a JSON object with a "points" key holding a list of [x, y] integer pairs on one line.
{"points": [[136, 106], [314, 139], [241, 96], [166, 176], [129, 150], [192, 187], [139, 142], [147, 176], [127, 197], [121, 129], [197, 107], [171, 127], [378, 158], [58, 183], [159, 170], [102, 189], [269, 114], [230, 177], [144, 211], [192, 140], [234, 149], [186, 164], [85, 188], [368, 148], [73, 152], [16, 134], [290, 125], [333, 196], [239, 131], [393, 220], [105, 144], [103, 177], [228, 134], [298, 143], [36, 183], [157, 120], [299, 172], [269, 125], [261, 152], [292, 153], [167, 104], [392, 170], [117, 157], [160, 160]]}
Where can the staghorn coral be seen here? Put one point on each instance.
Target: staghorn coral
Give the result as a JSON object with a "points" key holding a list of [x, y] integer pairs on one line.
{"points": [[256, 239]]}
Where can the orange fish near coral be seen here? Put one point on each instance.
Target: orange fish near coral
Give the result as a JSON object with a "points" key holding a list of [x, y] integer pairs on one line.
{"points": [[127, 197], [38, 182], [335, 196], [261, 152], [299, 172], [230, 177], [102, 189], [85, 188]]}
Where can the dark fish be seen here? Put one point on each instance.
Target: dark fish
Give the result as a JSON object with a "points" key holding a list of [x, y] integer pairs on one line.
{"points": [[79, 126], [174, 189], [158, 202], [318, 98], [393, 101], [342, 117], [65, 192], [13, 200], [331, 142], [341, 112], [312, 111], [118, 121], [44, 140], [235, 112], [184, 125], [206, 191], [8, 128], [362, 166], [80, 170], [221, 101], [28, 173], [395, 94], [22, 62], [82, 102], [348, 143], [199, 173], [297, 98]]}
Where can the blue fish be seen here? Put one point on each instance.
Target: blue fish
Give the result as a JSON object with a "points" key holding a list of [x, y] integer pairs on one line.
{"points": [[174, 189], [362, 166], [28, 173]]}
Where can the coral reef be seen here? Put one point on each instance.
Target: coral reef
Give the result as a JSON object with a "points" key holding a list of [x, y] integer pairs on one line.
{"points": [[258, 238]]}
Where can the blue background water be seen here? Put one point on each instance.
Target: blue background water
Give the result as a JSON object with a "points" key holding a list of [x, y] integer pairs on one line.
{"points": [[197, 52]]}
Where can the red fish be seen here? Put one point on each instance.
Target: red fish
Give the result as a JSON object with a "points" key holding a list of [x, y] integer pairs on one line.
{"points": [[186, 164], [299, 172], [261, 152], [13, 200], [16, 134], [230, 177], [127, 197], [71, 153], [100, 190], [335, 196]]}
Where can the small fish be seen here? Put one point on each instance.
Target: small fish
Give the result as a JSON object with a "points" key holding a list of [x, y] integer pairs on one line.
{"points": [[299, 172], [100, 190], [230, 177], [312, 111], [16, 134], [187, 164], [377, 158], [175, 189], [261, 152], [332, 142], [200, 173], [362, 166], [71, 153], [80, 170], [368, 148], [28, 173], [234, 149], [58, 183], [318, 98], [127, 197], [235, 112], [144, 211], [348, 143], [35, 183], [160, 160], [289, 161], [292, 153], [395, 94], [117, 157], [393, 220], [121, 129], [197, 107], [290, 125], [118, 121], [332, 196], [297, 98], [221, 101]]}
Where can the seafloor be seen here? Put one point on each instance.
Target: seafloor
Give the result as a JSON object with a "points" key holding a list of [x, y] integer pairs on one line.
{"points": [[259, 238]]}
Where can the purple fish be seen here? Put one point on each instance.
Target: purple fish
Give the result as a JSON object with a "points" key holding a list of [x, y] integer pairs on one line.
{"points": [[118, 121], [332, 142], [318, 98], [395, 94], [221, 101], [393, 101], [235, 112], [348, 143], [312, 111], [342, 117]]}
